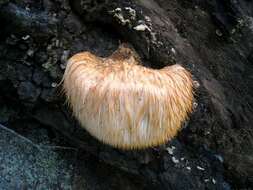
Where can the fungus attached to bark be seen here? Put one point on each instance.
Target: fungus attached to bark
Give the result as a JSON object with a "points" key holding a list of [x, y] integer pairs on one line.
{"points": [[125, 104]]}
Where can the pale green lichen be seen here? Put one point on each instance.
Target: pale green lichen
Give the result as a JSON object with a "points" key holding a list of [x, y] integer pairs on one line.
{"points": [[25, 166]]}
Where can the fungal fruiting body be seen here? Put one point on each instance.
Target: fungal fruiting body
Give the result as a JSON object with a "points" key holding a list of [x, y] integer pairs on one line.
{"points": [[124, 104]]}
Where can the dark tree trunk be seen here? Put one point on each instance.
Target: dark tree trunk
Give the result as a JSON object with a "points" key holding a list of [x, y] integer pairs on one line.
{"points": [[212, 39]]}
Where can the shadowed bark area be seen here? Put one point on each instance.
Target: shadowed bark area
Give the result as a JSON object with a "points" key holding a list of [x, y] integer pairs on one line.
{"points": [[212, 39]]}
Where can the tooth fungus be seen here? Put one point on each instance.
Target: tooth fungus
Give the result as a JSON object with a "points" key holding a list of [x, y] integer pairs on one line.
{"points": [[125, 104]]}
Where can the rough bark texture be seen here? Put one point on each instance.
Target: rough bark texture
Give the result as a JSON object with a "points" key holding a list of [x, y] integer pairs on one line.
{"points": [[212, 39]]}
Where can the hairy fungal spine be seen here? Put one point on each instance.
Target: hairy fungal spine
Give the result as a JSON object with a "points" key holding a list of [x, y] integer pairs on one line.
{"points": [[125, 104]]}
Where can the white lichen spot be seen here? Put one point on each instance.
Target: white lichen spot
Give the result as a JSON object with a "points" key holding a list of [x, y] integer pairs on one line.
{"points": [[141, 27], [219, 157], [147, 18], [118, 9], [240, 22], [117, 13], [206, 180], [49, 47], [160, 43], [195, 105], [173, 50], [27, 8], [132, 12], [54, 84], [182, 159], [30, 52], [214, 181], [196, 84], [200, 168], [26, 37], [218, 33], [57, 43], [188, 168], [63, 66], [170, 150], [175, 160], [233, 31]]}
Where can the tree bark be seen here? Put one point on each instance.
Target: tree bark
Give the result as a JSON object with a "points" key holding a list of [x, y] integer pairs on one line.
{"points": [[212, 39]]}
